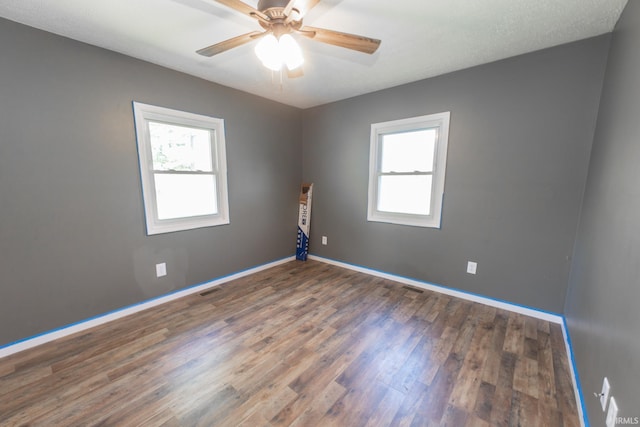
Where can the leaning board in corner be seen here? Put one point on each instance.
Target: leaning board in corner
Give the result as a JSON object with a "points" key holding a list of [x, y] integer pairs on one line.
{"points": [[304, 220]]}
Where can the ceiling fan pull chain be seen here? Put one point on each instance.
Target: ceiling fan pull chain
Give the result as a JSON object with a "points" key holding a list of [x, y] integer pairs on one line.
{"points": [[281, 82]]}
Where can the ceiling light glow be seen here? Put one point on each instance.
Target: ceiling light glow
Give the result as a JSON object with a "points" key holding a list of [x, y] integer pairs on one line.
{"points": [[273, 52]]}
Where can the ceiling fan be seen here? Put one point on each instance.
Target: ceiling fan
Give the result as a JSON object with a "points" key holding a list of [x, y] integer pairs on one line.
{"points": [[280, 19]]}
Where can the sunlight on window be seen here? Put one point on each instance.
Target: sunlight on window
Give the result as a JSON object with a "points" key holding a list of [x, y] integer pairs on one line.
{"points": [[409, 194], [408, 151], [183, 169], [180, 196], [180, 148], [407, 165]]}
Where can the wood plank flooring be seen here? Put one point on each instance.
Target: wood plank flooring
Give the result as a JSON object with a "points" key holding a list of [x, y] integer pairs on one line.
{"points": [[301, 344]]}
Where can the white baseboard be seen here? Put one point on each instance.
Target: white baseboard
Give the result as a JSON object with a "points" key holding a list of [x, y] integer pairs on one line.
{"points": [[550, 317], [532, 312], [108, 317], [126, 311], [577, 389]]}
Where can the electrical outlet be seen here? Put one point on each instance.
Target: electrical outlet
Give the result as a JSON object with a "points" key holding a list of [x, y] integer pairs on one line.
{"points": [[161, 269], [604, 393], [324, 240], [612, 415], [472, 267]]}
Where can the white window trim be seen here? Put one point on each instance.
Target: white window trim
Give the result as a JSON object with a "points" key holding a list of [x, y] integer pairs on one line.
{"points": [[439, 121], [143, 113]]}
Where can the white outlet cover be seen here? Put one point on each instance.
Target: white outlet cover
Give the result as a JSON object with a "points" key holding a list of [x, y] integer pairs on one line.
{"points": [[472, 267], [612, 415], [604, 393], [324, 240], [161, 269]]}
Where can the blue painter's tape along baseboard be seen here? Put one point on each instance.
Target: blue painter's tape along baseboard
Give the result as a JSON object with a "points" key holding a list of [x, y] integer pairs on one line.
{"points": [[29, 342], [63, 331], [575, 374], [494, 302]]}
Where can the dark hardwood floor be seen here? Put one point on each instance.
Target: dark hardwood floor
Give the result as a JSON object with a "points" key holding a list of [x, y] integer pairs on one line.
{"points": [[301, 344]]}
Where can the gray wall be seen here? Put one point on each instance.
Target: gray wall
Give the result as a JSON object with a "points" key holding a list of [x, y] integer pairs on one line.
{"points": [[603, 302], [520, 137], [72, 239]]}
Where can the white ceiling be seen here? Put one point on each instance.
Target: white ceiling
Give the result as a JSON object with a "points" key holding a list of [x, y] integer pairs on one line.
{"points": [[420, 38]]}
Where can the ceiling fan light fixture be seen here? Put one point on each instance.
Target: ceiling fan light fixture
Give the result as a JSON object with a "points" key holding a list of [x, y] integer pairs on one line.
{"points": [[291, 52], [274, 52], [268, 52]]}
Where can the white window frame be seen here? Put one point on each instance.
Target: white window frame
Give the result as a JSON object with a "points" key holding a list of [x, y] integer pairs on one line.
{"points": [[440, 122], [143, 114]]}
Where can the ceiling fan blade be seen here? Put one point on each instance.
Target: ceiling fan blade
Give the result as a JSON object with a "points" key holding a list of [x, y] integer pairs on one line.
{"points": [[336, 38], [305, 6], [244, 8], [288, 8], [230, 44], [300, 7]]}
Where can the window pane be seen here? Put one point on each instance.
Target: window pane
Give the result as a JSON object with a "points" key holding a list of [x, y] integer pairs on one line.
{"points": [[408, 151], [409, 194], [180, 148], [179, 196]]}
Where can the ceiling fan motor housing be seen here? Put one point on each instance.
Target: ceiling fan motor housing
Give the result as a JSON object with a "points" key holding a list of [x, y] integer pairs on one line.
{"points": [[269, 4], [274, 9], [278, 22]]}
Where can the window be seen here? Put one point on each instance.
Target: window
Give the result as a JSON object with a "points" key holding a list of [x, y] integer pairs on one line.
{"points": [[183, 169], [407, 169]]}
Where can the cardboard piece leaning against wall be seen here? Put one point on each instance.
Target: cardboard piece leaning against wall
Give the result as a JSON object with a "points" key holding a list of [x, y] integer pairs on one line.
{"points": [[304, 221]]}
